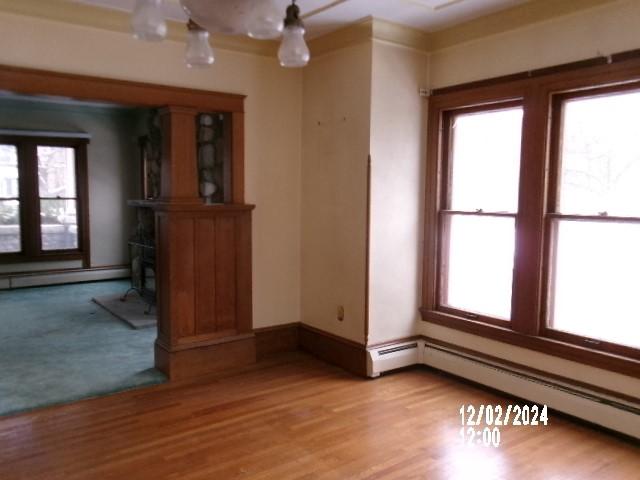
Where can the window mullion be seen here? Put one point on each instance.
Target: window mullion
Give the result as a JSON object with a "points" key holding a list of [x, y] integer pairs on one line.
{"points": [[527, 291], [30, 198]]}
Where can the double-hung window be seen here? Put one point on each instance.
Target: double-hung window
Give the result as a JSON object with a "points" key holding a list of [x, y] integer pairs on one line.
{"points": [[43, 208], [478, 211], [593, 219], [532, 232]]}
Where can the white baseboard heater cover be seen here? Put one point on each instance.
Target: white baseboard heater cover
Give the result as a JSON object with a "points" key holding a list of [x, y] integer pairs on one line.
{"points": [[609, 412], [36, 279], [594, 407], [391, 357]]}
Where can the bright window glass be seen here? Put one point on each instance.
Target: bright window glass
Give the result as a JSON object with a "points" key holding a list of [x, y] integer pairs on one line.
{"points": [[10, 232], [486, 160], [479, 269], [600, 156], [595, 290], [58, 205]]}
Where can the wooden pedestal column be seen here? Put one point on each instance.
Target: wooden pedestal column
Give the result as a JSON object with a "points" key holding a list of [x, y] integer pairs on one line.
{"points": [[203, 265]]}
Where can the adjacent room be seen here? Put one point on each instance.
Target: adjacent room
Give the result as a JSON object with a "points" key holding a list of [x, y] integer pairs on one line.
{"points": [[70, 177], [319, 239]]}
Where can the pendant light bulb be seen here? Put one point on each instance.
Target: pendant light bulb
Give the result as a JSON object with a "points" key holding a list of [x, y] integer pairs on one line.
{"points": [[148, 22], [199, 52], [265, 22], [293, 52]]}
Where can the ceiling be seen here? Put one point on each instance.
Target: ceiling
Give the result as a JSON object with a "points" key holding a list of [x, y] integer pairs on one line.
{"points": [[324, 16]]}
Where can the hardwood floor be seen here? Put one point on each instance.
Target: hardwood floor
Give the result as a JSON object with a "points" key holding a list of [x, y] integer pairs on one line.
{"points": [[295, 417]]}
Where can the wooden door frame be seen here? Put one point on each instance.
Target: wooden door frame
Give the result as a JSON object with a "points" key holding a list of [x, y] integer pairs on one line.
{"points": [[136, 94]]}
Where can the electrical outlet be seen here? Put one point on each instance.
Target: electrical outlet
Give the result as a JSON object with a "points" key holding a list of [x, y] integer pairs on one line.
{"points": [[340, 315]]}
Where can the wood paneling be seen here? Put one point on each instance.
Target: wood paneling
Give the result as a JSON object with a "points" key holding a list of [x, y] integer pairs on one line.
{"points": [[347, 354], [204, 358], [205, 250], [179, 178], [202, 250], [296, 417], [225, 272], [244, 291], [181, 291]]}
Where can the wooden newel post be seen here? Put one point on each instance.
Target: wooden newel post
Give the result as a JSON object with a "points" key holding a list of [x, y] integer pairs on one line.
{"points": [[203, 264]]}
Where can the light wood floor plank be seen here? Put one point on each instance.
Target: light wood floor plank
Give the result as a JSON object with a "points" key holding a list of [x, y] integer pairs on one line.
{"points": [[293, 417]]}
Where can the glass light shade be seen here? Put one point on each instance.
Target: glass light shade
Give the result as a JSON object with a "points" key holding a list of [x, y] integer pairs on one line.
{"points": [[293, 50], [199, 52], [148, 22], [266, 21]]}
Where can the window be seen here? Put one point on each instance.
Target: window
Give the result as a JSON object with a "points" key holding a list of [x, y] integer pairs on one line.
{"points": [[594, 219], [480, 197], [43, 207], [533, 212], [10, 234]]}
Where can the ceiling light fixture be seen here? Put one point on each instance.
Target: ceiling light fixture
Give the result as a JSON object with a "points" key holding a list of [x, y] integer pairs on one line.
{"points": [[199, 52], [293, 51], [148, 21], [259, 19]]}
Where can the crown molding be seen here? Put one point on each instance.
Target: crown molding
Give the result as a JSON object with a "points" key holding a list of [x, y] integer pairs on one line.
{"points": [[80, 14], [353, 34], [366, 29], [534, 11]]}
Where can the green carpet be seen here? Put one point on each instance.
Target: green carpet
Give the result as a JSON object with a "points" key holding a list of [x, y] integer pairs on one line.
{"points": [[57, 346]]}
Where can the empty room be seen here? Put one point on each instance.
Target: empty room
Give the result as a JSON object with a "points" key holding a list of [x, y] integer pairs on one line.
{"points": [[319, 239]]}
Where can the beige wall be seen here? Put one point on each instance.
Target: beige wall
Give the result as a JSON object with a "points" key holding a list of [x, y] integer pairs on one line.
{"points": [[602, 30], [398, 141], [607, 29], [335, 139], [273, 110]]}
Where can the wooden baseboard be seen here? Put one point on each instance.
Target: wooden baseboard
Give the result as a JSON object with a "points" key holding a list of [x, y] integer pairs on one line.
{"points": [[344, 353], [203, 360], [276, 339]]}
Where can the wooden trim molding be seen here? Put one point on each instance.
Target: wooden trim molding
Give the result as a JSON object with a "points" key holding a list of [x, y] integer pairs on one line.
{"points": [[276, 339], [83, 87], [350, 355], [331, 348], [347, 354]]}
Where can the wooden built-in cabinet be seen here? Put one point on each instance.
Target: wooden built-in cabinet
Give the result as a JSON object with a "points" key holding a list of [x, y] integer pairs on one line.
{"points": [[203, 251], [204, 273], [203, 260]]}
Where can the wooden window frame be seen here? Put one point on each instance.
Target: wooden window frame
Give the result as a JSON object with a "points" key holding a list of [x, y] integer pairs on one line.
{"points": [[445, 192], [29, 198], [540, 93]]}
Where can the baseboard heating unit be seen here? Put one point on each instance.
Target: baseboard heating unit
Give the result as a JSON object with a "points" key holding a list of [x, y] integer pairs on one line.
{"points": [[595, 407], [391, 357]]}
